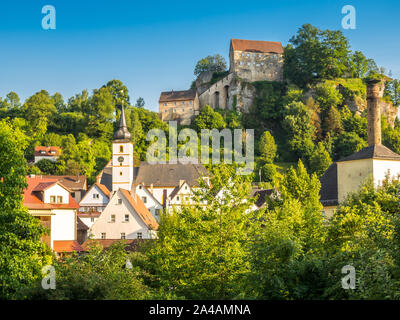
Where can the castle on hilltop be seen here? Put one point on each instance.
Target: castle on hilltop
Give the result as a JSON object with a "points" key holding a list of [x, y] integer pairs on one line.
{"points": [[249, 61]]}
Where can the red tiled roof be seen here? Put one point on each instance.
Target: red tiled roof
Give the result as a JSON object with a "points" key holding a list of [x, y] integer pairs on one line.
{"points": [[256, 46], [141, 209], [60, 246], [177, 95], [47, 150], [44, 185], [103, 189], [31, 197], [71, 182]]}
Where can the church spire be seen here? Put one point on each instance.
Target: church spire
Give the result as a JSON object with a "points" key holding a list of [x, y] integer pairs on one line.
{"points": [[122, 132]]}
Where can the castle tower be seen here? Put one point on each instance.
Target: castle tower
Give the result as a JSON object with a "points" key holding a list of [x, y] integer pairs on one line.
{"points": [[122, 156], [374, 94]]}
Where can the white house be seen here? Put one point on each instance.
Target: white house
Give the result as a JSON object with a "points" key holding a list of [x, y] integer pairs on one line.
{"points": [[49, 153], [151, 203], [51, 202], [125, 217], [93, 203]]}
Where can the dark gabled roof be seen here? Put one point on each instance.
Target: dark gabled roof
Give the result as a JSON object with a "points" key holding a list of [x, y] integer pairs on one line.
{"points": [[177, 95], [168, 175], [329, 187], [261, 195], [256, 46], [377, 151], [106, 177]]}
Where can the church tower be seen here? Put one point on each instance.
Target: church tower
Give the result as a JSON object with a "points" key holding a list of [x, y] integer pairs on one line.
{"points": [[122, 156]]}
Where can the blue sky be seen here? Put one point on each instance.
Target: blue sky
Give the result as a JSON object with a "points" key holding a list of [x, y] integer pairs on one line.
{"points": [[152, 46]]}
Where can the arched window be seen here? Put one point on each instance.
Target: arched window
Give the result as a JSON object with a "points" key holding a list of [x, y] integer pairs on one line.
{"points": [[121, 149]]}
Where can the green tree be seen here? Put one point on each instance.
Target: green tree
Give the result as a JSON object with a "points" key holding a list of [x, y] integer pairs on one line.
{"points": [[215, 63], [320, 160], [360, 64], [267, 147], [39, 110], [208, 119], [201, 251], [348, 143], [140, 102], [22, 254], [314, 54]]}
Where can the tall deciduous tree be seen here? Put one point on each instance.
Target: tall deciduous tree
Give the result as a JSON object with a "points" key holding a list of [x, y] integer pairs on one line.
{"points": [[214, 63], [22, 254], [202, 249]]}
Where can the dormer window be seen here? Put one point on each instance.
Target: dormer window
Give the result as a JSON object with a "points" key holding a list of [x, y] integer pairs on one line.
{"points": [[59, 199], [52, 199], [121, 149], [43, 152]]}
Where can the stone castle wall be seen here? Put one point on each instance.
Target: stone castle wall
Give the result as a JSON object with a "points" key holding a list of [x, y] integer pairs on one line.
{"points": [[257, 66]]}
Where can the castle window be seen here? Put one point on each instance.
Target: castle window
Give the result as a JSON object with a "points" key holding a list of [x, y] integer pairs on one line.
{"points": [[248, 63], [174, 103], [121, 149], [183, 110]]}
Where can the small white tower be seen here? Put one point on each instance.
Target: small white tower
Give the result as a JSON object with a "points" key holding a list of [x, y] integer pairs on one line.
{"points": [[122, 157]]}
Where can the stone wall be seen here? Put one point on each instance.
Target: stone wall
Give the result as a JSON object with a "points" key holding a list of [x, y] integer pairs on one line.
{"points": [[257, 66], [230, 92]]}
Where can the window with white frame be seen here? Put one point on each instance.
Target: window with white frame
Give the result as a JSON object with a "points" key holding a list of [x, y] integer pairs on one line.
{"points": [[139, 235], [123, 235], [103, 235], [126, 218], [112, 218]]}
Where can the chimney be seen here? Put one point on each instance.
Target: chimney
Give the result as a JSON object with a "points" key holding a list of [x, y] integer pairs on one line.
{"points": [[375, 89]]}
